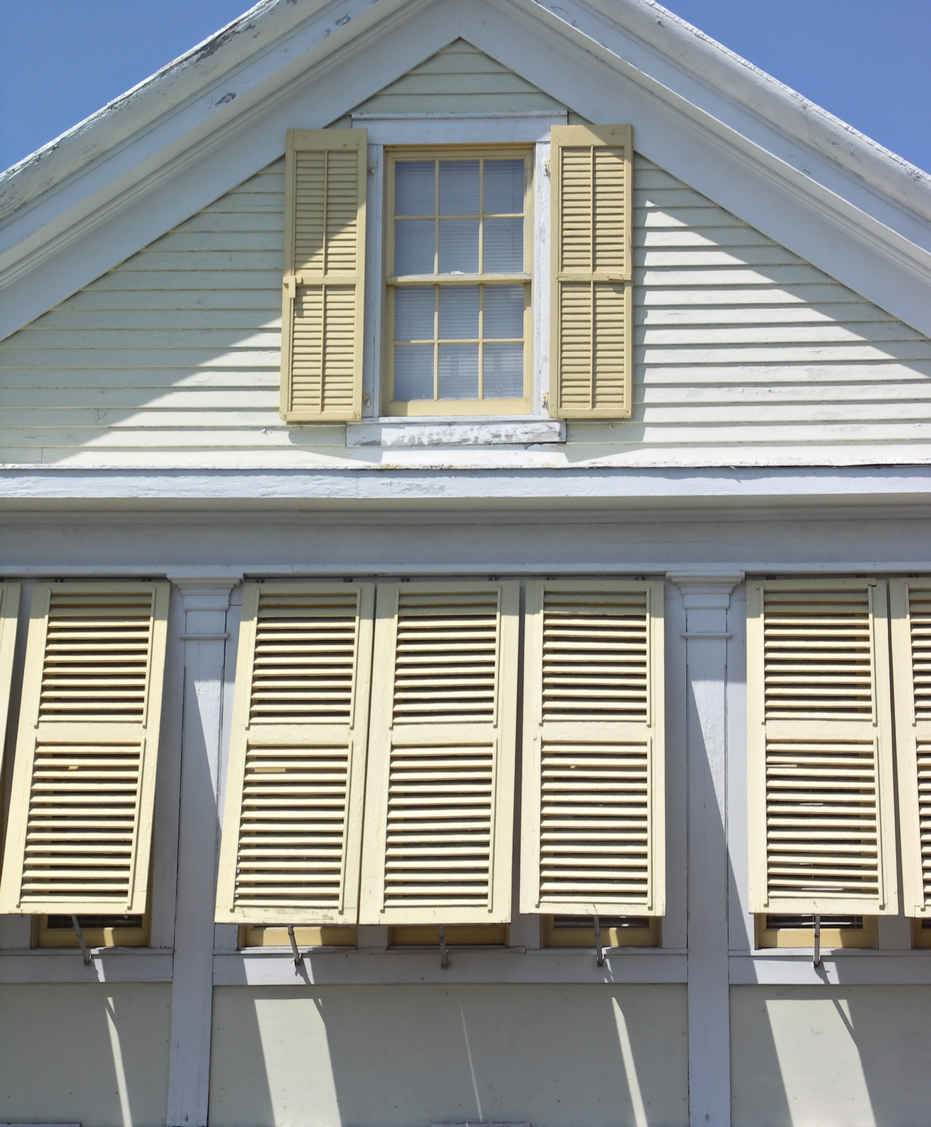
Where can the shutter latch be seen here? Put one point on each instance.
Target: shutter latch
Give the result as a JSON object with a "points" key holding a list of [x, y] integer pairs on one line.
{"points": [[599, 950], [298, 957], [444, 951], [816, 950]]}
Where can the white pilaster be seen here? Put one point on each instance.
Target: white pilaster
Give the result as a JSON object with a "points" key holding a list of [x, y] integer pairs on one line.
{"points": [[706, 598], [206, 603]]}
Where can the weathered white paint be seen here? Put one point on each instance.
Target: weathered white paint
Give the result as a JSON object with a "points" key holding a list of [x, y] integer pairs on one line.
{"points": [[431, 432], [84, 1052], [548, 1055], [744, 355]]}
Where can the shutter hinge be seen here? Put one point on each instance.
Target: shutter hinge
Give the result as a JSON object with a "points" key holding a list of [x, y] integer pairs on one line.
{"points": [[546, 168]]}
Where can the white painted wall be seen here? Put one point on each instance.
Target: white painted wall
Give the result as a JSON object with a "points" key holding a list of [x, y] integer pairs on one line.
{"points": [[94, 1054], [398, 1055]]}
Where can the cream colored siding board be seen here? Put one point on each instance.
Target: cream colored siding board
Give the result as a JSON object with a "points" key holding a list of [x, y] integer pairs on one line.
{"points": [[460, 79], [910, 601], [593, 820], [81, 813], [592, 264], [822, 813], [440, 792], [324, 260], [292, 828]]}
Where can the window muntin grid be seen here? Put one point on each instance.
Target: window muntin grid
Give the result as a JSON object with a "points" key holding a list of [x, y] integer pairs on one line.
{"points": [[458, 282]]}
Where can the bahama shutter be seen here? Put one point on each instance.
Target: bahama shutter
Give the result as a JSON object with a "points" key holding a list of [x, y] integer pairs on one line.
{"points": [[9, 614], [592, 824], [592, 304], [911, 664], [83, 796], [439, 805], [819, 748], [324, 263], [292, 827]]}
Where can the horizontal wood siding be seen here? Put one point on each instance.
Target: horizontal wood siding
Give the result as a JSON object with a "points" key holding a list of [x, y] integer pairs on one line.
{"points": [[744, 355], [460, 79]]}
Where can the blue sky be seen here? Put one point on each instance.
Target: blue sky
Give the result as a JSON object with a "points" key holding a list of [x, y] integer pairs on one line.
{"points": [[865, 60]]}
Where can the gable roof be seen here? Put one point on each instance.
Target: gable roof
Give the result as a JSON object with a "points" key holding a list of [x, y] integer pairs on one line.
{"points": [[204, 123]]}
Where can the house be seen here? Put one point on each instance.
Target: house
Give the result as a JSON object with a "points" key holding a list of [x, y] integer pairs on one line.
{"points": [[466, 595]]}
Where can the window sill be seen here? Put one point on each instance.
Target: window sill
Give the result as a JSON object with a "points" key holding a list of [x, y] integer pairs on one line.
{"points": [[455, 432]]}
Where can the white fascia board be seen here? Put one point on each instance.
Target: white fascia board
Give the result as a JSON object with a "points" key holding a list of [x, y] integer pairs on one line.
{"points": [[843, 213], [501, 487]]}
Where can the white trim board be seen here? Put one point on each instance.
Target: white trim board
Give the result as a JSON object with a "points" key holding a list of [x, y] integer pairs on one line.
{"points": [[856, 227]]}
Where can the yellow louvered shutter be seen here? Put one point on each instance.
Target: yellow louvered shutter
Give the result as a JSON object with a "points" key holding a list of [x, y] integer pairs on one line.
{"points": [[324, 267], [819, 748], [593, 804], [440, 792], [911, 663], [592, 304], [292, 829], [9, 613], [80, 829]]}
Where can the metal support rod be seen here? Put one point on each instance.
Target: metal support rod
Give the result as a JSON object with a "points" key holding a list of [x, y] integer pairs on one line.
{"points": [[298, 957], [80, 935], [816, 953], [444, 950], [599, 950]]}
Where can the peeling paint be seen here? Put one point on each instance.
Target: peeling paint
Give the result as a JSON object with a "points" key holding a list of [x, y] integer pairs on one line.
{"points": [[226, 99], [343, 20], [218, 41]]}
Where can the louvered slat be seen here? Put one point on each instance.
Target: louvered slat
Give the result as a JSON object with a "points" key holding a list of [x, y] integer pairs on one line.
{"points": [[819, 747], [325, 179], [292, 825], [592, 821], [592, 292], [84, 781], [911, 656], [441, 769]]}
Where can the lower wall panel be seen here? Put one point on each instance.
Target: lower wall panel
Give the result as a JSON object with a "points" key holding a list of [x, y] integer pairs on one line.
{"points": [[559, 1056], [95, 1054], [850, 1056]]}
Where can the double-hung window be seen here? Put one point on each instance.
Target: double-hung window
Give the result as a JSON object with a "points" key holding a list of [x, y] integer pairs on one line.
{"points": [[458, 281]]}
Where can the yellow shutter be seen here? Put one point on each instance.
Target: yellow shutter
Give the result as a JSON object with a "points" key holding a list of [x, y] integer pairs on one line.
{"points": [[911, 663], [440, 791], [324, 267], [592, 305], [819, 748], [292, 828], [80, 828], [593, 804], [9, 613]]}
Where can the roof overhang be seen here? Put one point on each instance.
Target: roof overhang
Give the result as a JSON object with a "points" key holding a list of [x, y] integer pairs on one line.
{"points": [[214, 117]]}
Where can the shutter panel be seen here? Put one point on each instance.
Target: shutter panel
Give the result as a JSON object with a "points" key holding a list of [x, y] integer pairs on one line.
{"points": [[9, 614], [911, 663], [324, 250], [80, 829], [592, 313], [440, 792], [292, 827], [593, 810], [821, 804]]}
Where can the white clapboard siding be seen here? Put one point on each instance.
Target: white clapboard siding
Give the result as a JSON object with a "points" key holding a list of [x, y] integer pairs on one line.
{"points": [[743, 354], [592, 817], [911, 660], [819, 747], [439, 799]]}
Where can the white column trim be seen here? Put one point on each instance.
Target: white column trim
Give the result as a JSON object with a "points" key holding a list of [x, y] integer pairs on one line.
{"points": [[706, 598]]}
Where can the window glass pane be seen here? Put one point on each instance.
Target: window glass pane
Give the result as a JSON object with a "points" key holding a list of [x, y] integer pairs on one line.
{"points": [[413, 246], [458, 371], [413, 313], [413, 371], [459, 187], [504, 312], [458, 312], [504, 187], [504, 246], [414, 187], [503, 371], [458, 246]]}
